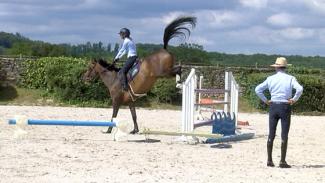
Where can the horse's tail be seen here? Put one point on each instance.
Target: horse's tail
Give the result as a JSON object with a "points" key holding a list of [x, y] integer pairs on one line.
{"points": [[178, 28]]}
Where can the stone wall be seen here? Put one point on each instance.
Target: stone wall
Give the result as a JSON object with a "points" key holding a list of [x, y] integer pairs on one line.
{"points": [[10, 69]]}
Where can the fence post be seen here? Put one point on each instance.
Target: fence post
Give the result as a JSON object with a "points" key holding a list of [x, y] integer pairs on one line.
{"points": [[226, 91], [188, 100], [234, 91]]}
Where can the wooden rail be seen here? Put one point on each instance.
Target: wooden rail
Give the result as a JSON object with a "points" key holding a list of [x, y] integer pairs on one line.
{"points": [[211, 91]]}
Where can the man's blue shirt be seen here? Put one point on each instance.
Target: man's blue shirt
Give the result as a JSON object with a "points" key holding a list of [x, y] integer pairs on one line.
{"points": [[280, 86]]}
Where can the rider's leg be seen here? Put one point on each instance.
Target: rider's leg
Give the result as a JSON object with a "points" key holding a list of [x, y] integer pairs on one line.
{"points": [[124, 70]]}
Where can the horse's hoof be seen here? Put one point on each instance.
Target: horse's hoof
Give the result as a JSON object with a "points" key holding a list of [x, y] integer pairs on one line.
{"points": [[106, 131], [134, 132]]}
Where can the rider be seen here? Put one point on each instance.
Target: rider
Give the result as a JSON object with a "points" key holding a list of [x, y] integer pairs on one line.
{"points": [[128, 47]]}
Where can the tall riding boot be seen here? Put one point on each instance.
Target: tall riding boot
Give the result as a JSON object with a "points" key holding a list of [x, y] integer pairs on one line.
{"points": [[269, 153], [283, 163], [123, 81]]}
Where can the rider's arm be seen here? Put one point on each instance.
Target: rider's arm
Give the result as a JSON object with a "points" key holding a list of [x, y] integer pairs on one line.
{"points": [[122, 50]]}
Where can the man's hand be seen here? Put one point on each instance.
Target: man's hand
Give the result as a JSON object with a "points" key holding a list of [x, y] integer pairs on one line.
{"points": [[268, 102], [291, 101]]}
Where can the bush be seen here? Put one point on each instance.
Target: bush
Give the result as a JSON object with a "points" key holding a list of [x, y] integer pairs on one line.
{"points": [[164, 91], [61, 77], [313, 98], [251, 81], [1, 74]]}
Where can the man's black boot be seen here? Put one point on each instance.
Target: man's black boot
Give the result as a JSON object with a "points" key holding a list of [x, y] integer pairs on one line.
{"points": [[269, 154], [283, 163]]}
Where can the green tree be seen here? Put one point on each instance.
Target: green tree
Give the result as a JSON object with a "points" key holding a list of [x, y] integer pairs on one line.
{"points": [[116, 48]]}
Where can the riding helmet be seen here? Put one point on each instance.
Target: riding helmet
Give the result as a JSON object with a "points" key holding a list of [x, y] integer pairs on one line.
{"points": [[125, 31]]}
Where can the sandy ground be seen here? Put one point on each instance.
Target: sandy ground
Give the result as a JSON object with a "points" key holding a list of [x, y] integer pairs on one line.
{"points": [[84, 154]]}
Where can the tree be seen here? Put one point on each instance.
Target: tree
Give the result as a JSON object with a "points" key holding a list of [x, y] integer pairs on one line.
{"points": [[2, 50], [109, 47], [116, 48]]}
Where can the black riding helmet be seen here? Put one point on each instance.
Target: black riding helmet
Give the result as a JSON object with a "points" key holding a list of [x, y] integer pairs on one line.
{"points": [[125, 32]]}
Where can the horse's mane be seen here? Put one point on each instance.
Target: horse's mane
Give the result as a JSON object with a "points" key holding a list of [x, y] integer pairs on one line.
{"points": [[178, 28], [110, 67]]}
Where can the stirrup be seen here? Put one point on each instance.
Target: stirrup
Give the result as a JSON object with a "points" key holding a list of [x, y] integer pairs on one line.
{"points": [[125, 88]]}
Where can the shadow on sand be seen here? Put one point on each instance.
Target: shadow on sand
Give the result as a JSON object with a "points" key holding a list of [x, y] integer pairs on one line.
{"points": [[313, 166], [221, 146], [145, 141], [7, 93]]}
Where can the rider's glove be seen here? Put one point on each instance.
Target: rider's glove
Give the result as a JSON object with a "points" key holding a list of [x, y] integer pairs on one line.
{"points": [[115, 60]]}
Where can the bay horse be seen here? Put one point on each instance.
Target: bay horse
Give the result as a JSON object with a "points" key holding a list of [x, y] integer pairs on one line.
{"points": [[158, 64]]}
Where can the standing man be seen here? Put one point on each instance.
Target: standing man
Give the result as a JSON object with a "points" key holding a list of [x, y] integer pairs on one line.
{"points": [[128, 47], [280, 87]]}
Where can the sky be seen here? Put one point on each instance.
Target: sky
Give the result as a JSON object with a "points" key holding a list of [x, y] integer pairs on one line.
{"points": [[284, 27]]}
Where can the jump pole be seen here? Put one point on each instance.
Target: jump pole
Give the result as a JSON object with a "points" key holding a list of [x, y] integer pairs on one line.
{"points": [[64, 122], [154, 132]]}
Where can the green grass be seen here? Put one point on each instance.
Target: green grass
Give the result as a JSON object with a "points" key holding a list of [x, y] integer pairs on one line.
{"points": [[245, 107], [12, 95]]}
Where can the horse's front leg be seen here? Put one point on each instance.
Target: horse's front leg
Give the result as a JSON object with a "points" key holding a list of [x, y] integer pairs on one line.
{"points": [[116, 107], [134, 117]]}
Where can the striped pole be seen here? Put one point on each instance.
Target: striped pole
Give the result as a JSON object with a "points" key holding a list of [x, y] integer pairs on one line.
{"points": [[147, 131]]}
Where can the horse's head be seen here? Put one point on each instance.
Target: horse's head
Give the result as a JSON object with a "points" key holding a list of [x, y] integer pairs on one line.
{"points": [[91, 71], [98, 67]]}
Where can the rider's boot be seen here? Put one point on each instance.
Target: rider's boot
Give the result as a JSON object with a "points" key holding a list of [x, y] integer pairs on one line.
{"points": [[123, 81]]}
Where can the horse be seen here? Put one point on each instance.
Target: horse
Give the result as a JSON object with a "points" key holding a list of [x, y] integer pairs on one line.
{"points": [[156, 65]]}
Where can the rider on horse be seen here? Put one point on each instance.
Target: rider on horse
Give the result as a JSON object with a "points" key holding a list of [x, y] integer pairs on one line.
{"points": [[129, 47]]}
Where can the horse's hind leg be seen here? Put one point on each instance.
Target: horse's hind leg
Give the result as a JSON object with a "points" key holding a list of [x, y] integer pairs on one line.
{"points": [[177, 70], [134, 117]]}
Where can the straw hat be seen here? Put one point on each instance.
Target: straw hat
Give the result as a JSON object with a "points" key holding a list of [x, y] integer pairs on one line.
{"points": [[280, 62]]}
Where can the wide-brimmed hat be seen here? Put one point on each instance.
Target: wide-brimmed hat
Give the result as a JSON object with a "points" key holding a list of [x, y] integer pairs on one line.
{"points": [[280, 62]]}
